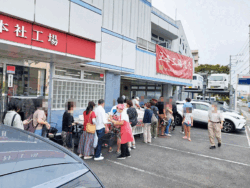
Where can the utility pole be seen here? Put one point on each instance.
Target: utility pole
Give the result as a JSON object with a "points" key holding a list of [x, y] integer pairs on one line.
{"points": [[230, 65], [249, 57], [230, 86]]}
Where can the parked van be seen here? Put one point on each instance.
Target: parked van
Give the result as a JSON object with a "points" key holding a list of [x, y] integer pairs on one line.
{"points": [[197, 82], [218, 81]]}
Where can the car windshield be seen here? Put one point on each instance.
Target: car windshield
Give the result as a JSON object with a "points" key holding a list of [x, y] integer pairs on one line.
{"points": [[20, 150], [216, 78], [194, 78]]}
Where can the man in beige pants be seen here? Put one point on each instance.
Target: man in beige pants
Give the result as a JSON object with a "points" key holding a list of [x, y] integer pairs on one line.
{"points": [[215, 124]]}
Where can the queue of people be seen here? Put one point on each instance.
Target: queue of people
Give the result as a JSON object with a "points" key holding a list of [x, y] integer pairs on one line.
{"points": [[158, 118]]}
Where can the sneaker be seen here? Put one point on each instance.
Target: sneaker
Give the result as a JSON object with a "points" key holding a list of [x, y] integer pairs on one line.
{"points": [[182, 132], [118, 152], [128, 156], [212, 147], [80, 155], [88, 157], [129, 149], [121, 157], [133, 147], [99, 158], [168, 134], [219, 144]]}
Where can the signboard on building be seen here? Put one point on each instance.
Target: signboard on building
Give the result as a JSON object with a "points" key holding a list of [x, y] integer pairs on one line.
{"points": [[244, 79], [10, 80], [11, 69], [19, 31], [173, 64]]}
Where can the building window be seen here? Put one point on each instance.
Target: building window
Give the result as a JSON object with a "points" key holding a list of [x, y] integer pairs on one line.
{"points": [[93, 76], [180, 41], [185, 50], [142, 87], [183, 47], [151, 87], [65, 72], [154, 35], [81, 92], [161, 39], [27, 81]]}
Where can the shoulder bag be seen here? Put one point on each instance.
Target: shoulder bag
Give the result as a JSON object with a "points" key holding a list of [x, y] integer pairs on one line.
{"points": [[13, 120], [90, 128]]}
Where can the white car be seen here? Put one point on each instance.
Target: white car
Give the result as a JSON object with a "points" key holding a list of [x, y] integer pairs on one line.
{"points": [[232, 122]]}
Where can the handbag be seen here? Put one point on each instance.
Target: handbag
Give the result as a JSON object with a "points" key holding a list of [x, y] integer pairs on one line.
{"points": [[154, 119], [90, 128], [95, 141]]}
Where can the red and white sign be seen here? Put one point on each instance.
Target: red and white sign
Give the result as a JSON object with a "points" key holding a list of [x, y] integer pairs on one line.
{"points": [[19, 31], [11, 69], [101, 75], [173, 64]]}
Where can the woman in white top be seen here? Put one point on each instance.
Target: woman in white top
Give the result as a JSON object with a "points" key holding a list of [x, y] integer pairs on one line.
{"points": [[12, 118], [188, 122]]}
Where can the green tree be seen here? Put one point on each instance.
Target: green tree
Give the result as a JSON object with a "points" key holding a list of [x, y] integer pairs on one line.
{"points": [[206, 68]]}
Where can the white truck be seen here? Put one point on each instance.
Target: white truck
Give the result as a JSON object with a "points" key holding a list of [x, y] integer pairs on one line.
{"points": [[218, 81]]}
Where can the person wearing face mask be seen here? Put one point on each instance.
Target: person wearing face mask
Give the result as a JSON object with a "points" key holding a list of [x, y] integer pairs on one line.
{"points": [[215, 124]]}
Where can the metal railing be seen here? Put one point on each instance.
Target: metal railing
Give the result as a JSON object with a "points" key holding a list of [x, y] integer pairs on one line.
{"points": [[142, 43]]}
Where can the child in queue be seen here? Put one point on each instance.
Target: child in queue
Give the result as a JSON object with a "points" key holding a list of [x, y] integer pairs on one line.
{"points": [[188, 122]]}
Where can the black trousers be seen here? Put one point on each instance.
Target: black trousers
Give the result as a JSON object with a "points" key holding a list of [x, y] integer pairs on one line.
{"points": [[124, 150]]}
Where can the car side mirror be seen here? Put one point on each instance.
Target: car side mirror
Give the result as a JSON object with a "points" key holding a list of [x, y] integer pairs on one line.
{"points": [[225, 80]]}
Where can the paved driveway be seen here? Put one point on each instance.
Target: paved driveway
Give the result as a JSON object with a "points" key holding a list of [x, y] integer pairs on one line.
{"points": [[174, 162]]}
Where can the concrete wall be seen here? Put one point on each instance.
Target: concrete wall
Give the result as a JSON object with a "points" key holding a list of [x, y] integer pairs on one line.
{"points": [[73, 16], [130, 18]]}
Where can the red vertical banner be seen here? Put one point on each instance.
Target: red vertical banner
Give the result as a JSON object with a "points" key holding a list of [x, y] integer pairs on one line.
{"points": [[173, 64]]}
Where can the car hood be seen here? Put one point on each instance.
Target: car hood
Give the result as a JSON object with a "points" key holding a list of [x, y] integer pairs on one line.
{"points": [[233, 114], [20, 150]]}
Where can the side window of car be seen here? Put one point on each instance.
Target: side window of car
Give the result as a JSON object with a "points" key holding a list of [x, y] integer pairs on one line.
{"points": [[194, 105], [203, 107]]}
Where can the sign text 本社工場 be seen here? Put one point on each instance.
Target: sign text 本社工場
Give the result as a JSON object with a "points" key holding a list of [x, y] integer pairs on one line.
{"points": [[23, 32]]}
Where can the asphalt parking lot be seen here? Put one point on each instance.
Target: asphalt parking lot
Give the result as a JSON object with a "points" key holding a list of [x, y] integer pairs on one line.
{"points": [[174, 162]]}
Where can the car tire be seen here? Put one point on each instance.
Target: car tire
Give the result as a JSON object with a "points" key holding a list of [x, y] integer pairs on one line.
{"points": [[178, 119], [228, 126]]}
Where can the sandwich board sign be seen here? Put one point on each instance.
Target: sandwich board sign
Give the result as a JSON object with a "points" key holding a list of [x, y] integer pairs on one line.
{"points": [[244, 79]]}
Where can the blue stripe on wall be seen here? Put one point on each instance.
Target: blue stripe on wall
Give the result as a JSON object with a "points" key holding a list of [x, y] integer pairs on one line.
{"points": [[87, 6], [155, 13], [146, 2], [118, 35], [157, 79], [111, 67], [145, 51]]}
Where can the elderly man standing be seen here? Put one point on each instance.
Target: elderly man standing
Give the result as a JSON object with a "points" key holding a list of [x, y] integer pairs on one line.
{"points": [[215, 124], [101, 122]]}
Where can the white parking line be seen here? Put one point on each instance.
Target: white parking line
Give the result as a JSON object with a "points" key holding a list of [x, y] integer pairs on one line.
{"points": [[151, 173], [232, 134], [223, 143], [201, 155], [248, 139]]}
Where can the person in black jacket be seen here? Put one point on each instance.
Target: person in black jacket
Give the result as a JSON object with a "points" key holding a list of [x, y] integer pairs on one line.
{"points": [[147, 123], [67, 126], [132, 114]]}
